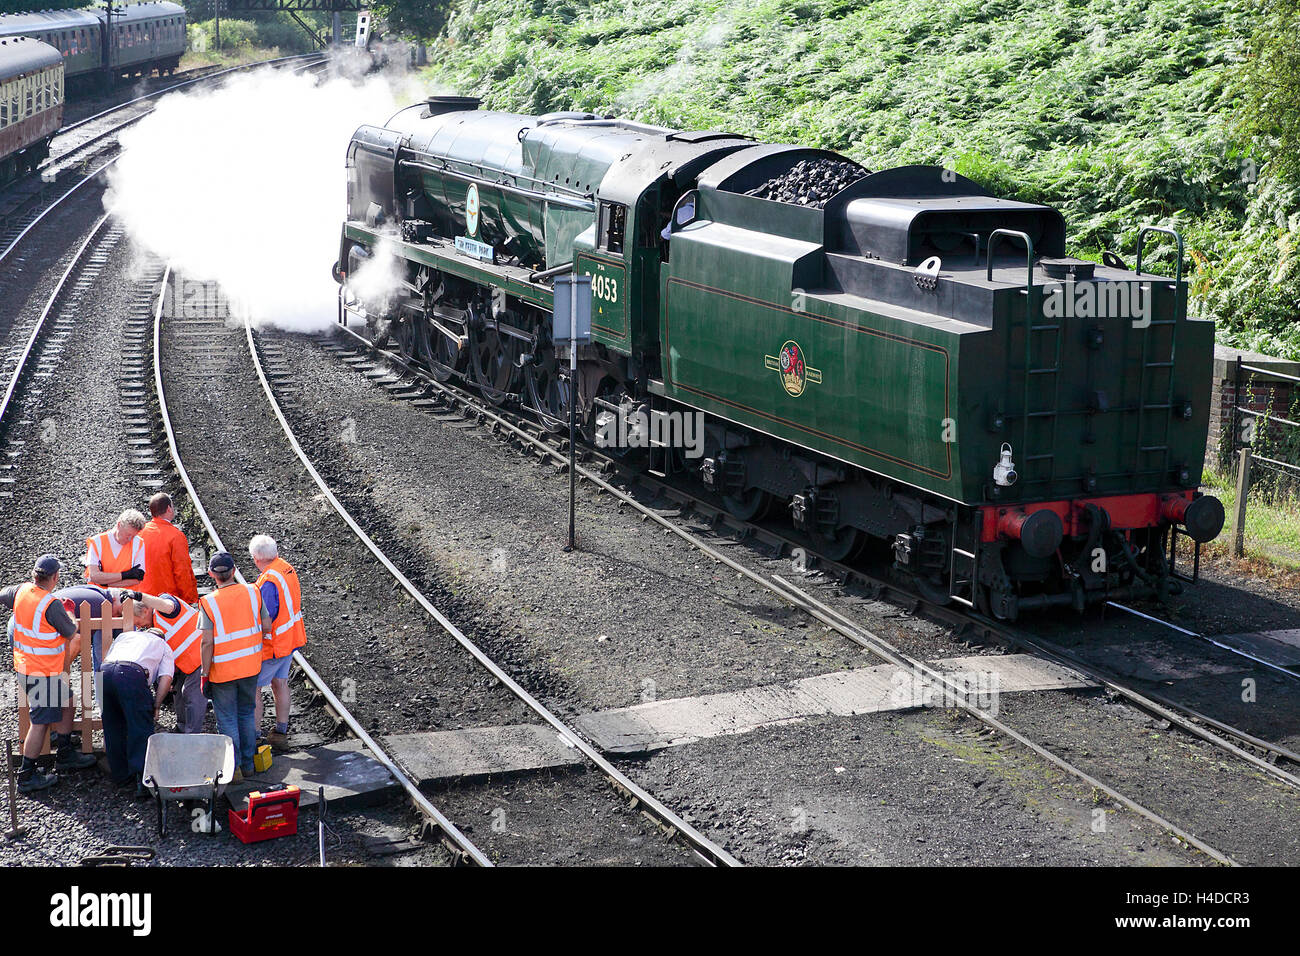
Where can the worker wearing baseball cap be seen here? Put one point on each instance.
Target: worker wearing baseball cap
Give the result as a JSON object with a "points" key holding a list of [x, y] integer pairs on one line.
{"points": [[43, 648], [234, 622]]}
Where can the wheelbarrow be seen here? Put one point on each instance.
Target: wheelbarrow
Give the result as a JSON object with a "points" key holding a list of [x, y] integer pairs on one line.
{"points": [[188, 767]]}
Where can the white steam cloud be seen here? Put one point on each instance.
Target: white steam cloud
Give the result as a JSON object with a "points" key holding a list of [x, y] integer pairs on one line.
{"points": [[245, 185]]}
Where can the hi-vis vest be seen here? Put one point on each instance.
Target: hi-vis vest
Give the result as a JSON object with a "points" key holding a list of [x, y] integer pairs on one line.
{"points": [[236, 615], [182, 635], [288, 633], [124, 560], [38, 647]]}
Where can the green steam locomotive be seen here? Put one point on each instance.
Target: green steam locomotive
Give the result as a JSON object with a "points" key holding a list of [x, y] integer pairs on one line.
{"points": [[898, 360]]}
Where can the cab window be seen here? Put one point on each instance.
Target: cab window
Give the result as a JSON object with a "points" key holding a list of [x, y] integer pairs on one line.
{"points": [[613, 225]]}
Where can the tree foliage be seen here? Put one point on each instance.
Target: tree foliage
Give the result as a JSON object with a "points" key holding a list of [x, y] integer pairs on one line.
{"points": [[419, 19], [27, 6], [1269, 84]]}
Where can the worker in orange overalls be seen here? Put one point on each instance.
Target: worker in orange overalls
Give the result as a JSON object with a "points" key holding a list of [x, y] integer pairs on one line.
{"points": [[168, 566], [234, 624], [43, 650], [282, 595]]}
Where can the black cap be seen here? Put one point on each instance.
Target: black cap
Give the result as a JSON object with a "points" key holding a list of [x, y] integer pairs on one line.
{"points": [[47, 564], [221, 561]]}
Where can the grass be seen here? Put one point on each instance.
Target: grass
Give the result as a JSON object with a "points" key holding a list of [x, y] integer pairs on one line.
{"points": [[235, 56], [1272, 522]]}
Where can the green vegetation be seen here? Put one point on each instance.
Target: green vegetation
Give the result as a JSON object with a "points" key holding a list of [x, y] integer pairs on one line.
{"points": [[1119, 112], [26, 6], [243, 38], [1272, 520]]}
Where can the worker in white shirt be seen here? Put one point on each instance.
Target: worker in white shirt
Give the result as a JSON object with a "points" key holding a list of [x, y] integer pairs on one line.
{"points": [[134, 664]]}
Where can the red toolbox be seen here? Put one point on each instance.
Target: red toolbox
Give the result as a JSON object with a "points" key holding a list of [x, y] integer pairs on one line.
{"points": [[269, 815]]}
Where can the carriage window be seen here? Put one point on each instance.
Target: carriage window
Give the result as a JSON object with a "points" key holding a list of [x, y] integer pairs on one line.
{"points": [[613, 222]]}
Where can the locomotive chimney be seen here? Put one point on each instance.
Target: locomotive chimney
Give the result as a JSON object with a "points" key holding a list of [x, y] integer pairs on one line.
{"points": [[437, 105]]}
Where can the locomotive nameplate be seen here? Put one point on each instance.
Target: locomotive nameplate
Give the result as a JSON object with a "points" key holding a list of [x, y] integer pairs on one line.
{"points": [[472, 247]]}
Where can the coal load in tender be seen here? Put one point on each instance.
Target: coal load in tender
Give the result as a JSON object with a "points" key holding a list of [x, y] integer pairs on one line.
{"points": [[810, 182]]}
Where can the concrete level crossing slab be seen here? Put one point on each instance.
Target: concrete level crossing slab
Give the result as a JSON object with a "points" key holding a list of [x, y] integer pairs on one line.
{"points": [[350, 775], [670, 723], [480, 752]]}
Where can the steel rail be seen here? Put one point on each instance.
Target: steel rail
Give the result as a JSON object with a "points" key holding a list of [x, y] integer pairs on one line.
{"points": [[702, 845], [21, 366], [90, 177], [898, 658], [832, 619], [462, 844], [63, 157], [1177, 714], [1205, 637]]}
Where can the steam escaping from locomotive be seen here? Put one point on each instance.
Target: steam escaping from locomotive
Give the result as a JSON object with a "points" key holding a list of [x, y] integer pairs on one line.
{"points": [[242, 185]]}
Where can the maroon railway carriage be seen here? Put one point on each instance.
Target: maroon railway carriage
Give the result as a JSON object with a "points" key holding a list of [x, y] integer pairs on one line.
{"points": [[31, 103]]}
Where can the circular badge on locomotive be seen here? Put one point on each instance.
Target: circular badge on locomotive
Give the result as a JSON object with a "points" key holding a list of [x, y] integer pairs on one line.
{"points": [[471, 210], [794, 372]]}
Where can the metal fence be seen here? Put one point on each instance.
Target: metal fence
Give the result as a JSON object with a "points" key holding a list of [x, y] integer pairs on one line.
{"points": [[1255, 432]]}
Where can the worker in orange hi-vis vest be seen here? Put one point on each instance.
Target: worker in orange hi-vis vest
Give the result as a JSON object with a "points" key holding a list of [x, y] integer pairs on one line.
{"points": [[169, 568], [116, 556], [234, 624], [44, 645], [282, 595]]}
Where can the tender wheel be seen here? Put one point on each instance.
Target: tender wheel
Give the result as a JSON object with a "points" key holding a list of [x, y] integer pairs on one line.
{"points": [[844, 545], [932, 591], [749, 506]]}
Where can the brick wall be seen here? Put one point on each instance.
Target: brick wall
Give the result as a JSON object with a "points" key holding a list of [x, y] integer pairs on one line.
{"points": [[1259, 392]]}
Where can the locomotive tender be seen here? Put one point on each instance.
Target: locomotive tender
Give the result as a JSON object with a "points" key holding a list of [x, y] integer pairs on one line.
{"points": [[898, 359]]}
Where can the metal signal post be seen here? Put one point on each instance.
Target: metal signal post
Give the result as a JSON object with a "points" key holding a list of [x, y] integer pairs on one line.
{"points": [[572, 295]]}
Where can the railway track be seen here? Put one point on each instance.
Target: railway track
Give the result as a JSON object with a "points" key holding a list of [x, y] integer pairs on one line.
{"points": [[1241, 744], [407, 381], [75, 157], [462, 848], [40, 359], [136, 457], [196, 362]]}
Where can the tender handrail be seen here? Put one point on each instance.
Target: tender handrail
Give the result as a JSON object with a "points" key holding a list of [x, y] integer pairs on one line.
{"points": [[1029, 254]]}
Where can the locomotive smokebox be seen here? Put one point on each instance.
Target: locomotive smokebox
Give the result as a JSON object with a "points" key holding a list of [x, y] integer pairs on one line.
{"points": [[1039, 533]]}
